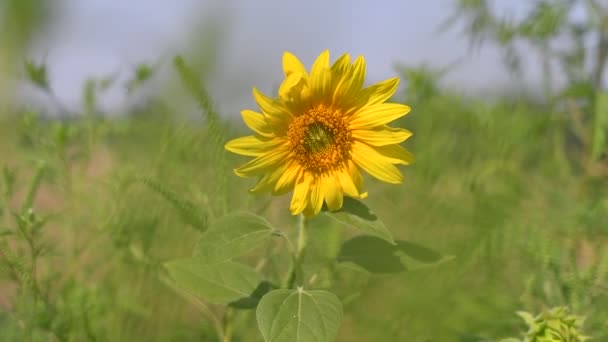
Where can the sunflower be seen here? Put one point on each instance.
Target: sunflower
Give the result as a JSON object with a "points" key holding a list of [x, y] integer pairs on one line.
{"points": [[321, 130]]}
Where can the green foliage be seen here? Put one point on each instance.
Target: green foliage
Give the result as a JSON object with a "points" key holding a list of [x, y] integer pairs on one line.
{"points": [[142, 73], [287, 314], [33, 188], [600, 127], [37, 74], [20, 19], [355, 213], [377, 256], [422, 82], [103, 221], [500, 199], [562, 46], [194, 85], [21, 248], [9, 177], [552, 325], [232, 236], [188, 210], [516, 218], [299, 315], [222, 283]]}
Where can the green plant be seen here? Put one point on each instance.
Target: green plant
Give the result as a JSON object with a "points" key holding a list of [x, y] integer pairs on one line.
{"points": [[291, 307], [552, 325], [560, 40]]}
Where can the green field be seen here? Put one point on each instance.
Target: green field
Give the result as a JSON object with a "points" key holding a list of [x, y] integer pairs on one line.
{"points": [[497, 185], [513, 188]]}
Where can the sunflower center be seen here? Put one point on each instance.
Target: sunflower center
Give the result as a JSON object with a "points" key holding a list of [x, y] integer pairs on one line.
{"points": [[320, 139], [317, 138]]}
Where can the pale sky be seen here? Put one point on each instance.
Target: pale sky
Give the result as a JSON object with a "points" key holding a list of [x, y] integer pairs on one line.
{"points": [[98, 37]]}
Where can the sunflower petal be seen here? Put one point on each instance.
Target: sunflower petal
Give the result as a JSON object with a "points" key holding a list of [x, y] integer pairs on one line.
{"points": [[347, 183], [349, 84], [358, 76], [375, 164], [270, 106], [341, 71], [316, 196], [332, 191], [382, 135], [341, 66], [355, 174], [299, 200], [263, 163], [252, 145], [377, 115], [380, 92], [294, 94], [291, 64], [321, 63], [268, 182], [288, 177], [257, 123], [395, 154], [320, 76], [290, 85], [340, 96]]}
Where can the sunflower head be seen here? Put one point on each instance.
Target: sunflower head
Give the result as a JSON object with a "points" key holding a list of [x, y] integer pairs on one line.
{"points": [[321, 130]]}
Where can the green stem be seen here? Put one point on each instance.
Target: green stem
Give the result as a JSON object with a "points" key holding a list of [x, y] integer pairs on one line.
{"points": [[227, 325], [33, 189], [34, 268], [302, 237], [296, 270], [14, 273]]}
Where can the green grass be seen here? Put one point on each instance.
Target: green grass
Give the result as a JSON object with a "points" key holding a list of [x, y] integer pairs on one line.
{"points": [[495, 184]]}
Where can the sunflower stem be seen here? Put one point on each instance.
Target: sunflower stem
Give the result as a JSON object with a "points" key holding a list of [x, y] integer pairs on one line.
{"points": [[296, 274], [227, 325], [302, 237]]}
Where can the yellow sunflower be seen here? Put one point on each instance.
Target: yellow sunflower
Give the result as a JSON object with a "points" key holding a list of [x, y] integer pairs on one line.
{"points": [[320, 131]]}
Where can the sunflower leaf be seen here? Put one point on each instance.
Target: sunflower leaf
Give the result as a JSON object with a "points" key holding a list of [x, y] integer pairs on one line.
{"points": [[221, 283], [377, 256], [355, 213], [231, 236], [299, 316]]}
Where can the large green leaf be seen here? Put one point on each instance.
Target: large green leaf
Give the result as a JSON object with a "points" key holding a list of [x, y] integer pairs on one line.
{"points": [[378, 256], [221, 283], [299, 316], [231, 236], [355, 213]]}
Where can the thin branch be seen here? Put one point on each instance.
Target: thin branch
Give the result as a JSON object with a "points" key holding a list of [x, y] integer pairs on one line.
{"points": [[578, 125]]}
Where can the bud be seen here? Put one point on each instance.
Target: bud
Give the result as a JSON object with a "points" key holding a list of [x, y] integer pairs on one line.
{"points": [[554, 325]]}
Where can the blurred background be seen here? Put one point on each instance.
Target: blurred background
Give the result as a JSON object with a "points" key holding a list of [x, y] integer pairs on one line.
{"points": [[113, 117], [80, 39]]}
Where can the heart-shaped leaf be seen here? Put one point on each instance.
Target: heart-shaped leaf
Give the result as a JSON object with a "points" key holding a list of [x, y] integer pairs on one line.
{"points": [[231, 236], [299, 316], [220, 283], [355, 213], [378, 256]]}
